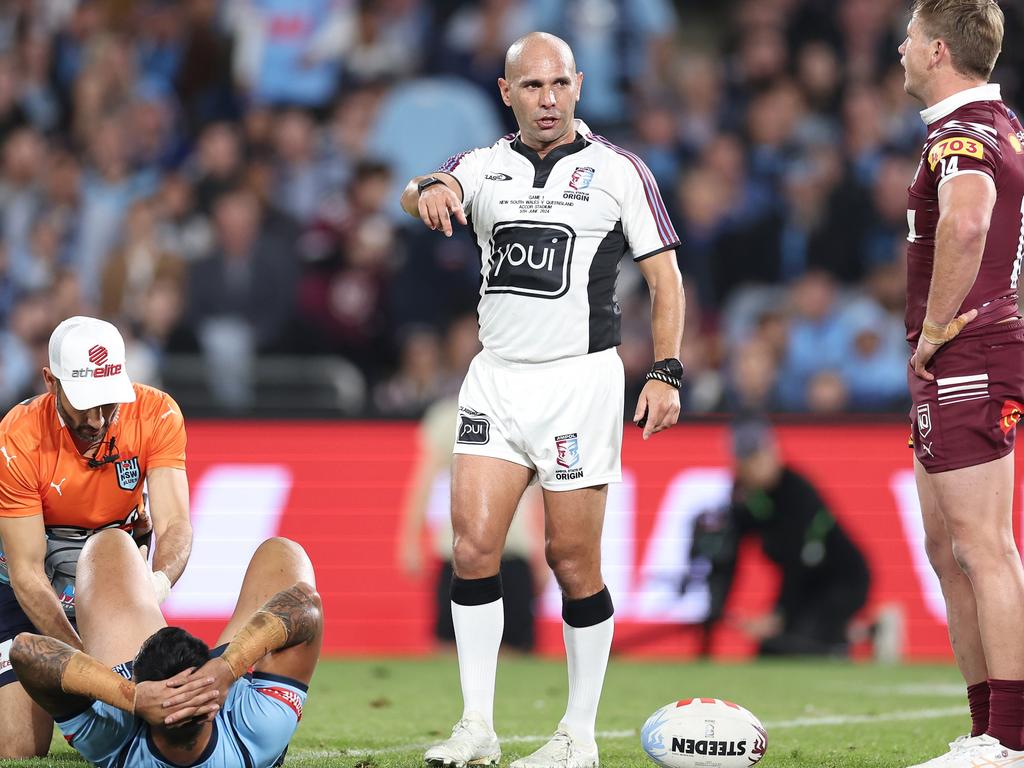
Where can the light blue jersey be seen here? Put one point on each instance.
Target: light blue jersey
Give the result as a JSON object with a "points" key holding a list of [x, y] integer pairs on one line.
{"points": [[252, 729]]}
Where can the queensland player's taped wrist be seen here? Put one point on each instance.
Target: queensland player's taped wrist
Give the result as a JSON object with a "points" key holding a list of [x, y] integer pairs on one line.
{"points": [[262, 634], [86, 676], [936, 333]]}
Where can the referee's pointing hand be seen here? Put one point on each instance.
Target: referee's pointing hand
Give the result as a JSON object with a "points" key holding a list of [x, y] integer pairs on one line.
{"points": [[436, 206]]}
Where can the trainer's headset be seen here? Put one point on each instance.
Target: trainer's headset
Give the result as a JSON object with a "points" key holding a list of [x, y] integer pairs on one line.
{"points": [[108, 458]]}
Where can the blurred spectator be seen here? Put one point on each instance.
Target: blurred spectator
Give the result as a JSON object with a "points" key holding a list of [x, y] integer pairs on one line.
{"points": [[887, 226], [816, 340], [217, 164], [135, 265], [180, 228], [418, 380], [300, 183], [276, 42], [873, 367], [248, 276], [350, 254], [39, 98], [110, 186], [23, 159], [28, 329], [12, 115], [242, 297], [204, 83]]}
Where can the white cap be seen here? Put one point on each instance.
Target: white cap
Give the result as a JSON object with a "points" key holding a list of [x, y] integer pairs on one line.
{"points": [[87, 355]]}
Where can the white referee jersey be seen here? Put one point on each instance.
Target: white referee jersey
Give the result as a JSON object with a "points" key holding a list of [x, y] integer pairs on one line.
{"points": [[551, 232]]}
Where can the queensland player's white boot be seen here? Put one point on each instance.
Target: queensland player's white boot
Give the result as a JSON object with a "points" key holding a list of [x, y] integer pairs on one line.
{"points": [[976, 752], [473, 742], [563, 751]]}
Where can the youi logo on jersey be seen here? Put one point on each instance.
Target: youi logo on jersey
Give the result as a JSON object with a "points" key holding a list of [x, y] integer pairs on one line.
{"points": [[530, 258]]}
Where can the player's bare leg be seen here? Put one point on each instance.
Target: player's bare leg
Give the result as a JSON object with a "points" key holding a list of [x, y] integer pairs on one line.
{"points": [[975, 504], [112, 590], [25, 728], [573, 522], [115, 605], [961, 612], [276, 565], [485, 494], [961, 608]]}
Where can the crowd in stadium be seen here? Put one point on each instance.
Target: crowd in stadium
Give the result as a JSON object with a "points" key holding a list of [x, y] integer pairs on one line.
{"points": [[221, 179]]}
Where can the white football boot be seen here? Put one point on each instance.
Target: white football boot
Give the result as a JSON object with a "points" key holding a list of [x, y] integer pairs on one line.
{"points": [[473, 742], [976, 752], [563, 751]]}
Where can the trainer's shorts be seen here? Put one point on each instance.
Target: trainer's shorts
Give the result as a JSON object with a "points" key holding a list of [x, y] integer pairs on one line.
{"points": [[12, 621], [968, 415], [561, 418]]}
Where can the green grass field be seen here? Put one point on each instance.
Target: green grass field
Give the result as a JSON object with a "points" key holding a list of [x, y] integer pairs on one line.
{"points": [[383, 713]]}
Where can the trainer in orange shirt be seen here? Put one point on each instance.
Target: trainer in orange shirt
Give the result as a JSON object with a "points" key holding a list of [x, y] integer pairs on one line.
{"points": [[74, 461]]}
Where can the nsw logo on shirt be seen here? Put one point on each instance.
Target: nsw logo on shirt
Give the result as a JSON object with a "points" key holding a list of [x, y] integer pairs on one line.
{"points": [[530, 258]]}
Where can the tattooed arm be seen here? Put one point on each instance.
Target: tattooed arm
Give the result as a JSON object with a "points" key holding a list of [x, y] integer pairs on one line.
{"points": [[283, 638], [61, 683], [65, 681], [290, 618]]}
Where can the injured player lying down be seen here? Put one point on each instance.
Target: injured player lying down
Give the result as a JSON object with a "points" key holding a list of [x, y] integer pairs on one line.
{"points": [[145, 694]]}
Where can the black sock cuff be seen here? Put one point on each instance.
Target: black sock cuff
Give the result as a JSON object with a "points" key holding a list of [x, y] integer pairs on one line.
{"points": [[588, 611], [476, 591]]}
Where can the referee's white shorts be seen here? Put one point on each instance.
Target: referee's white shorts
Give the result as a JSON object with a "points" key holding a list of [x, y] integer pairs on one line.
{"points": [[562, 418]]}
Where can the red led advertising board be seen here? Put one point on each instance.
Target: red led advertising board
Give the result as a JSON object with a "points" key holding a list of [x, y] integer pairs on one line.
{"points": [[338, 489]]}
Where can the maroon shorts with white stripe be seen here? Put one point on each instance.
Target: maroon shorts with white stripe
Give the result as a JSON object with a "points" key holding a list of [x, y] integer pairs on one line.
{"points": [[969, 414]]}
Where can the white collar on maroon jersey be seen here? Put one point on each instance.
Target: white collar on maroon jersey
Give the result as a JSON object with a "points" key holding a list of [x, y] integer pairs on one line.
{"points": [[987, 92]]}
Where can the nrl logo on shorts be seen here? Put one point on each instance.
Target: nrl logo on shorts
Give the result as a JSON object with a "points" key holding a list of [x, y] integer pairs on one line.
{"points": [[924, 420], [128, 473]]}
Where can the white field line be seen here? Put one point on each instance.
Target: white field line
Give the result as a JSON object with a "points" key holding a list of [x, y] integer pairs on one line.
{"points": [[772, 725]]}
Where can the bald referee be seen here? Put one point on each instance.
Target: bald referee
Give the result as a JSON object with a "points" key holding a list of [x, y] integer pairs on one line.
{"points": [[553, 208]]}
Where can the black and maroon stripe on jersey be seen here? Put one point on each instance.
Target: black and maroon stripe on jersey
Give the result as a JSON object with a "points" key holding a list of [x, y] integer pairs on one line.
{"points": [[665, 229]]}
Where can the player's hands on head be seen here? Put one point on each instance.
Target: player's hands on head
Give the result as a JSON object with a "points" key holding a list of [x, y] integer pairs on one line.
{"points": [[196, 696], [216, 675], [437, 204], [932, 337], [660, 402]]}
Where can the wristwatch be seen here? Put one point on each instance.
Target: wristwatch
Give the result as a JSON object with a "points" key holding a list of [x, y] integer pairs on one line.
{"points": [[427, 182], [668, 371]]}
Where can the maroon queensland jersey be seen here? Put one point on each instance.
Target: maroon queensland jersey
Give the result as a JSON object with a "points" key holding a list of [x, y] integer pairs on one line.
{"points": [[970, 132]]}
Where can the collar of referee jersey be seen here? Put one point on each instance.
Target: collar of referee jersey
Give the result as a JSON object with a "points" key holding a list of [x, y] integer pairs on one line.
{"points": [[987, 92], [542, 166]]}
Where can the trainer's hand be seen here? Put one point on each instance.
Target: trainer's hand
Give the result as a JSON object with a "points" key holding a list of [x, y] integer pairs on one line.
{"points": [[437, 204], [216, 674], [661, 404], [932, 338]]}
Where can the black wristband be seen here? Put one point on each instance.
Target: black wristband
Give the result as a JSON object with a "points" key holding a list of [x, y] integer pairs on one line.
{"points": [[664, 378], [427, 182], [668, 371]]}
